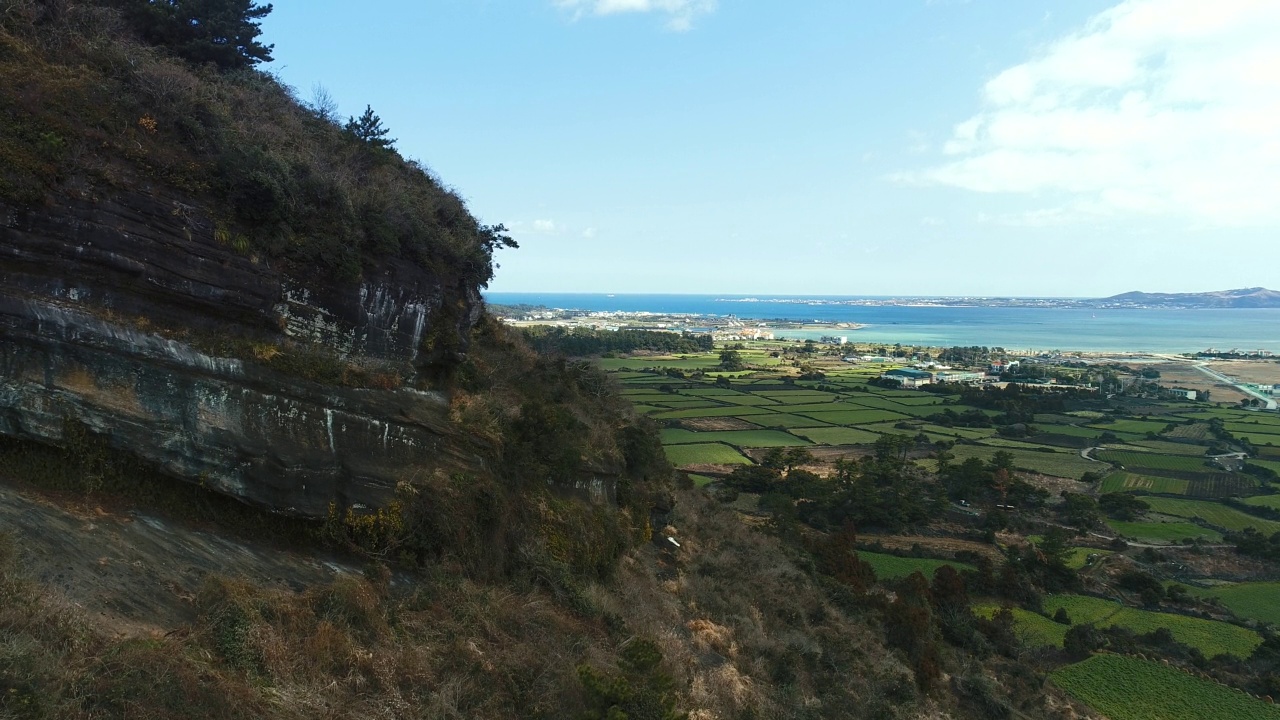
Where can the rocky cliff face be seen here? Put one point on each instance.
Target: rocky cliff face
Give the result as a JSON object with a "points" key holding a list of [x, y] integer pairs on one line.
{"points": [[109, 308]]}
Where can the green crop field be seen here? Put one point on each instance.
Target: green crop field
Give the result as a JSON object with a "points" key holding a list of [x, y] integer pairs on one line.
{"points": [[960, 432], [745, 400], [1058, 464], [783, 420], [1140, 427], [737, 438], [1032, 629], [796, 397], [837, 435], [647, 409], [850, 417], [1256, 600], [700, 480], [1213, 513], [713, 412], [1121, 481], [676, 402], [1273, 465], [1171, 448], [1211, 637], [1125, 688], [1153, 460], [708, 453], [1073, 430], [889, 567], [1169, 532], [1268, 501], [1198, 431]]}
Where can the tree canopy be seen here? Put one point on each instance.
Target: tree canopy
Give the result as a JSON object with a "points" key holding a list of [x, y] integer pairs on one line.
{"points": [[368, 128], [223, 32]]}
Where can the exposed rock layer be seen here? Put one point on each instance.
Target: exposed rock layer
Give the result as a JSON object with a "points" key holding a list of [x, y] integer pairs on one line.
{"points": [[104, 304]]}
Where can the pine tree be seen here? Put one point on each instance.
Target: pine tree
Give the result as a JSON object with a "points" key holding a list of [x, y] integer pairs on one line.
{"points": [[223, 32], [368, 128]]}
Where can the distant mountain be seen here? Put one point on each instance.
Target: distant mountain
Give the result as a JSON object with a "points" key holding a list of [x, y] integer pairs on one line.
{"points": [[1243, 298]]}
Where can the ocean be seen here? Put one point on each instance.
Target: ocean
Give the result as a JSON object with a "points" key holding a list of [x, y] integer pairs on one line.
{"points": [[1032, 328]]}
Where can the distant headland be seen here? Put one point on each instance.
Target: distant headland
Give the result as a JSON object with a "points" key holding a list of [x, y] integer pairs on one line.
{"points": [[1256, 297]]}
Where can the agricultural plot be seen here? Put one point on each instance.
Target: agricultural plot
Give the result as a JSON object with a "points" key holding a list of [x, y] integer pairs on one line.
{"points": [[712, 412], [1171, 448], [852, 417], [1125, 688], [1267, 501], [1067, 465], [744, 400], [960, 432], [1032, 629], [837, 435], [796, 397], [1164, 532], [1254, 600], [700, 480], [704, 454], [1260, 439], [1124, 481], [784, 420], [1198, 432], [676, 402], [1074, 430], [890, 567], [1211, 637], [1212, 513], [1222, 485], [1153, 461], [1273, 465], [737, 438], [1140, 427]]}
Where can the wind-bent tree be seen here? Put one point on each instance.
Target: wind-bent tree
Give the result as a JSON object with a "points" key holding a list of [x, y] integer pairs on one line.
{"points": [[223, 32]]}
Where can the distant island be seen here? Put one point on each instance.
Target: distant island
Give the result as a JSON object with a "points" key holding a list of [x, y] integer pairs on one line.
{"points": [[1256, 297]]}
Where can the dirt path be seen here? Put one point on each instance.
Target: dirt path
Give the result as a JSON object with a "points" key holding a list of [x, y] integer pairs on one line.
{"points": [[133, 573]]}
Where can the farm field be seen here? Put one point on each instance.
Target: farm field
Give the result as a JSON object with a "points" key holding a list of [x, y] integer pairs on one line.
{"points": [[737, 438], [1058, 464], [1121, 481], [1033, 629], [1125, 688], [851, 417], [889, 567], [1255, 600], [1212, 513], [784, 420], [1164, 532], [837, 435], [1152, 460], [706, 453], [1140, 427], [1211, 637], [1268, 501]]}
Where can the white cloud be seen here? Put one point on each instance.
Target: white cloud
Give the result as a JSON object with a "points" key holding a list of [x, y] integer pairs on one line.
{"points": [[680, 14], [589, 233], [1156, 107], [535, 227]]}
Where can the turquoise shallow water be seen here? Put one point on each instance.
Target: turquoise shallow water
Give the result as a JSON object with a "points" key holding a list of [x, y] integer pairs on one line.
{"points": [[1013, 328]]}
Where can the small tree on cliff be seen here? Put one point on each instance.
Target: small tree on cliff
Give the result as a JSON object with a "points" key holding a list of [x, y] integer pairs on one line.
{"points": [[368, 128]]}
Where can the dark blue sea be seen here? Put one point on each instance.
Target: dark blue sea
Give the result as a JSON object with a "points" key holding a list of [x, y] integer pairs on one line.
{"points": [[1032, 328]]}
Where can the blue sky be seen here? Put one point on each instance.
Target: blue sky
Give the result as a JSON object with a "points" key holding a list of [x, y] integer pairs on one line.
{"points": [[1023, 147]]}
